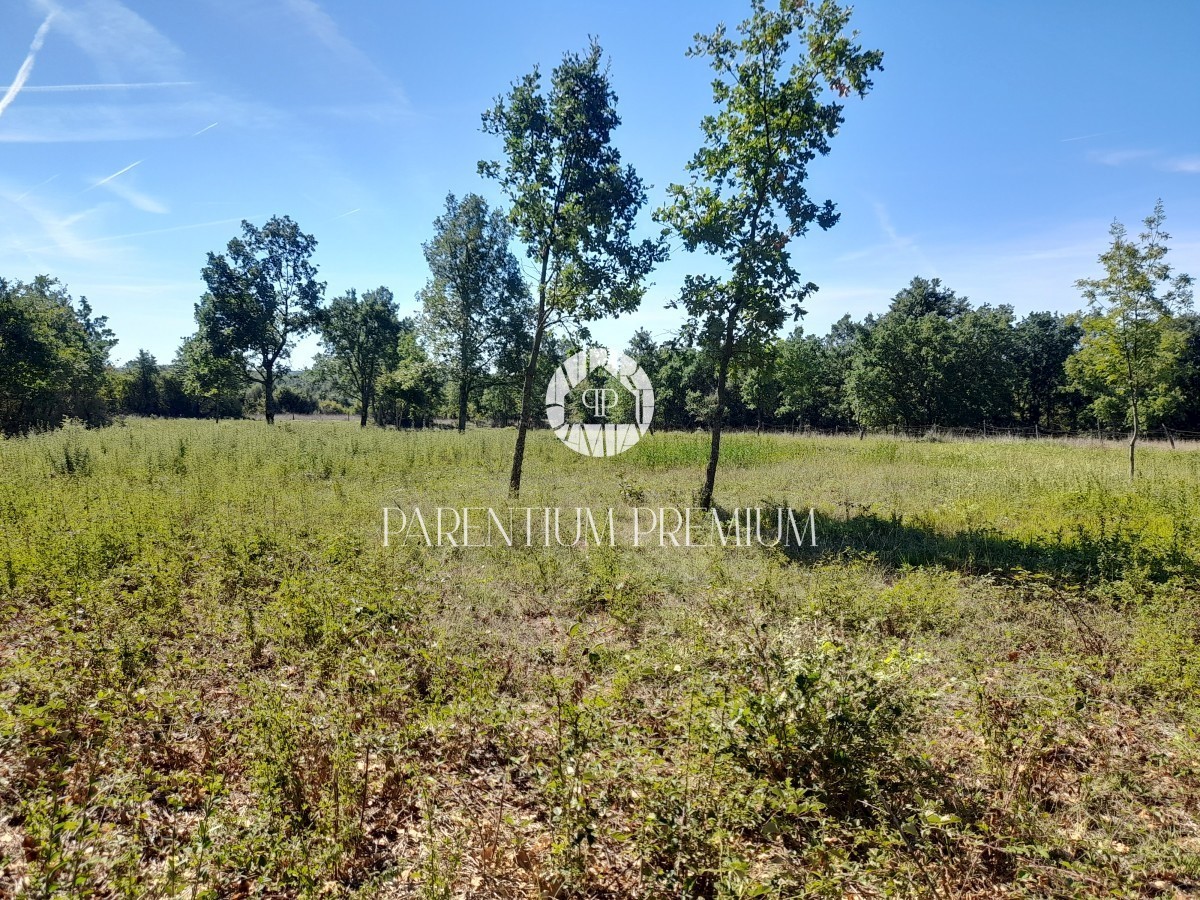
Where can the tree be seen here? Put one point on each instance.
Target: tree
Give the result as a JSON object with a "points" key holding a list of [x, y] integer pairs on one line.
{"points": [[262, 296], [1187, 376], [215, 382], [476, 305], [812, 371], [55, 357], [1043, 343], [758, 383], [573, 205], [777, 111], [361, 334], [932, 359], [1131, 342], [409, 391], [140, 386]]}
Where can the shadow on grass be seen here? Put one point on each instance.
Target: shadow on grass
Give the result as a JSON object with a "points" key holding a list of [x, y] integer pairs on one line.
{"points": [[1077, 556]]}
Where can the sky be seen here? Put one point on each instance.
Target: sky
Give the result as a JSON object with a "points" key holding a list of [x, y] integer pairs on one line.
{"points": [[997, 147]]}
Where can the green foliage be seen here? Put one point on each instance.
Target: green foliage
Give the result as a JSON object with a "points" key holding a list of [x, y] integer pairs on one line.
{"points": [[262, 296], [213, 383], [361, 336], [823, 718], [215, 681], [1131, 342], [410, 392], [55, 355], [475, 310], [748, 197], [1043, 342], [934, 360], [573, 204]]}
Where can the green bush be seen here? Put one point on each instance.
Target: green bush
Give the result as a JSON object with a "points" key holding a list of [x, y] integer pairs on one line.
{"points": [[825, 716]]}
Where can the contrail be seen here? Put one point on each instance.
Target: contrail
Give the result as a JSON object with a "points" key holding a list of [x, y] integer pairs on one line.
{"points": [[26, 67], [115, 174], [119, 237], [115, 86], [206, 128], [343, 215], [1084, 137], [34, 188]]}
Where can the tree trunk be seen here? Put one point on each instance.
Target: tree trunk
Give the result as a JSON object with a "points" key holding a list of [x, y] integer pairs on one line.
{"points": [[1133, 439], [526, 419], [1170, 437], [269, 393], [714, 452], [364, 403], [514, 477], [462, 402]]}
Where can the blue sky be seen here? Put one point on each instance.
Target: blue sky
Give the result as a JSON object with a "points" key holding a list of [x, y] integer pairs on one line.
{"points": [[1000, 141]]}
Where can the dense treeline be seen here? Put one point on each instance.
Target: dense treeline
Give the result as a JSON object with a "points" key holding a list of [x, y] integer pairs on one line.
{"points": [[932, 359]]}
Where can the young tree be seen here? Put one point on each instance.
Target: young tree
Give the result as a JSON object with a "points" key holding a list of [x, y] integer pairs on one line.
{"points": [[476, 306], [777, 111], [361, 335], [262, 296], [1130, 340], [573, 205]]}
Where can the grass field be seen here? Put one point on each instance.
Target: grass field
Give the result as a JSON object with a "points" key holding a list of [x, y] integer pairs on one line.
{"points": [[216, 681]]}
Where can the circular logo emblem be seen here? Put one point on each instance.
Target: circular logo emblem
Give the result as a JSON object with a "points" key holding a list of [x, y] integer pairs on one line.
{"points": [[607, 388]]}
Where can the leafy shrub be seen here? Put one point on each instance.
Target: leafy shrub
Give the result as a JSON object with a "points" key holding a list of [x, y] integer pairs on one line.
{"points": [[825, 716]]}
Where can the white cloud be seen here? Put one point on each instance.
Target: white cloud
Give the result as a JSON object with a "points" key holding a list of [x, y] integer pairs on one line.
{"points": [[58, 232], [1189, 165], [103, 86], [322, 26], [135, 198], [1118, 157], [119, 41], [26, 69], [116, 174], [90, 122]]}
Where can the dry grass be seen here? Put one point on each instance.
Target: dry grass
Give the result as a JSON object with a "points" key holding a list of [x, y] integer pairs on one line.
{"points": [[215, 681]]}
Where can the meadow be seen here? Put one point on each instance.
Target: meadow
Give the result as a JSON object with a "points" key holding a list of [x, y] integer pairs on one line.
{"points": [[215, 680]]}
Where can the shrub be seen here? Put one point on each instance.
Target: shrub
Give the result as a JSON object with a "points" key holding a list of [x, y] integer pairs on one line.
{"points": [[825, 716]]}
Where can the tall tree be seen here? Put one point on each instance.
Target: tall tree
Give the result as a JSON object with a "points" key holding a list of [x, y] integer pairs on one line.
{"points": [[932, 359], [777, 110], [475, 308], [1187, 375], [140, 394], [1131, 341], [1044, 341], [55, 357], [262, 296], [361, 334], [573, 205]]}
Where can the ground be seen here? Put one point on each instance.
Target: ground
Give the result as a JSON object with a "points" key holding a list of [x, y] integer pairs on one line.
{"points": [[215, 680]]}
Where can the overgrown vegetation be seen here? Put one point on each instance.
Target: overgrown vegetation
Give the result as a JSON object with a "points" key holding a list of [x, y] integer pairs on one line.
{"points": [[215, 681]]}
